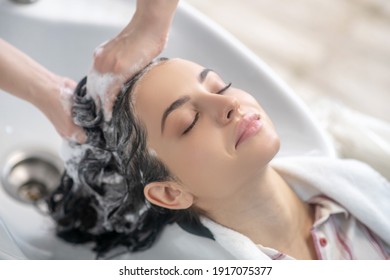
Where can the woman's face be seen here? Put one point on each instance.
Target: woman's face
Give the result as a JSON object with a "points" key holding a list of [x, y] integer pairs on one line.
{"points": [[214, 138]]}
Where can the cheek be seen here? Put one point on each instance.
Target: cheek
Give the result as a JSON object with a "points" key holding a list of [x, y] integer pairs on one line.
{"points": [[200, 162], [246, 100], [195, 156]]}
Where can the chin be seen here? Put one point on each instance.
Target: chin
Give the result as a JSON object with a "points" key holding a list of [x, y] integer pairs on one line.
{"points": [[261, 149], [269, 148]]}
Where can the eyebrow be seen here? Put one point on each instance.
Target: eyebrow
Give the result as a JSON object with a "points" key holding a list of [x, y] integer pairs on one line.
{"points": [[182, 100], [203, 74], [176, 104]]}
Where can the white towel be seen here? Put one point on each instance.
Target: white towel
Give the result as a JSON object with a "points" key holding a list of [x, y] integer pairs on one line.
{"points": [[353, 184]]}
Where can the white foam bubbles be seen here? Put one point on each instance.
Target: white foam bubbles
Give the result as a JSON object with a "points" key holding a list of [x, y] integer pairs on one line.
{"points": [[98, 86], [72, 154]]}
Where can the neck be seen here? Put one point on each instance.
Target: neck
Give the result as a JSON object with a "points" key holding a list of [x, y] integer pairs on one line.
{"points": [[268, 212]]}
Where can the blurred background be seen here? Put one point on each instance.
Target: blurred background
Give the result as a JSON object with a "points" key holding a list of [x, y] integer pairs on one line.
{"points": [[334, 54], [333, 48]]}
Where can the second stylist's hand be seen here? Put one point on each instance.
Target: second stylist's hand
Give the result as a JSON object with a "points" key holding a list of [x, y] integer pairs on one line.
{"points": [[131, 50], [25, 78], [57, 107]]}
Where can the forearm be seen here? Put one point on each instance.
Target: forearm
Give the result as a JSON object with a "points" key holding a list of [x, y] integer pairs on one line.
{"points": [[23, 77], [154, 16], [51, 94]]}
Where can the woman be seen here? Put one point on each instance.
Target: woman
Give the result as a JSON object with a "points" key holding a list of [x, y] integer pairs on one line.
{"points": [[185, 146]]}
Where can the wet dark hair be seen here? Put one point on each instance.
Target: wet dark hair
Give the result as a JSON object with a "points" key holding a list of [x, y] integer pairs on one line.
{"points": [[104, 202]]}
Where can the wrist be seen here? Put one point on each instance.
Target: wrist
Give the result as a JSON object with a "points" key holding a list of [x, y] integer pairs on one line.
{"points": [[160, 10], [152, 21], [44, 91]]}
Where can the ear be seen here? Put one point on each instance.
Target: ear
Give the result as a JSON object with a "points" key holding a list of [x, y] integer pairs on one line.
{"points": [[168, 194]]}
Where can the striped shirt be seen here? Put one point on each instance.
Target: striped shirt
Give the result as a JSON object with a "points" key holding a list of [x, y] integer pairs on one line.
{"points": [[337, 235]]}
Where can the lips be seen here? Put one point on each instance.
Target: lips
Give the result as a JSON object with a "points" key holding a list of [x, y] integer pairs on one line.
{"points": [[249, 125]]}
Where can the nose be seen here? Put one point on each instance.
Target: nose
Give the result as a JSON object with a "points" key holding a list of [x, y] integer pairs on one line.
{"points": [[223, 108]]}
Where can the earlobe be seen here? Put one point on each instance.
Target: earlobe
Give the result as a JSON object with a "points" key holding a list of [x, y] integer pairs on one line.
{"points": [[168, 194]]}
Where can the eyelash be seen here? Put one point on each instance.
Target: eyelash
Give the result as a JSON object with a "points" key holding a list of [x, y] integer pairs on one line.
{"points": [[192, 124], [197, 114], [224, 89]]}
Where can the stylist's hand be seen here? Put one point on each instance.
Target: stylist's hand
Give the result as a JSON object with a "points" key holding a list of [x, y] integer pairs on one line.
{"points": [[25, 78], [131, 50], [57, 107]]}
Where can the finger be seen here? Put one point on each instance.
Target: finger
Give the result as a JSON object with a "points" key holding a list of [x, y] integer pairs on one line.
{"points": [[78, 136]]}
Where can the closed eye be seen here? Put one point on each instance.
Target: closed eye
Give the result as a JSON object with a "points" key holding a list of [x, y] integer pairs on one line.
{"points": [[188, 129], [224, 89], [192, 124]]}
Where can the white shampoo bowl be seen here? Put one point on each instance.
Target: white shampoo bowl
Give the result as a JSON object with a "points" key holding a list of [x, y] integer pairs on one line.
{"points": [[61, 35]]}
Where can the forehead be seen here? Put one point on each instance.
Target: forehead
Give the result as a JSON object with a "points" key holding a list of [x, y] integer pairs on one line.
{"points": [[167, 75], [166, 80]]}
